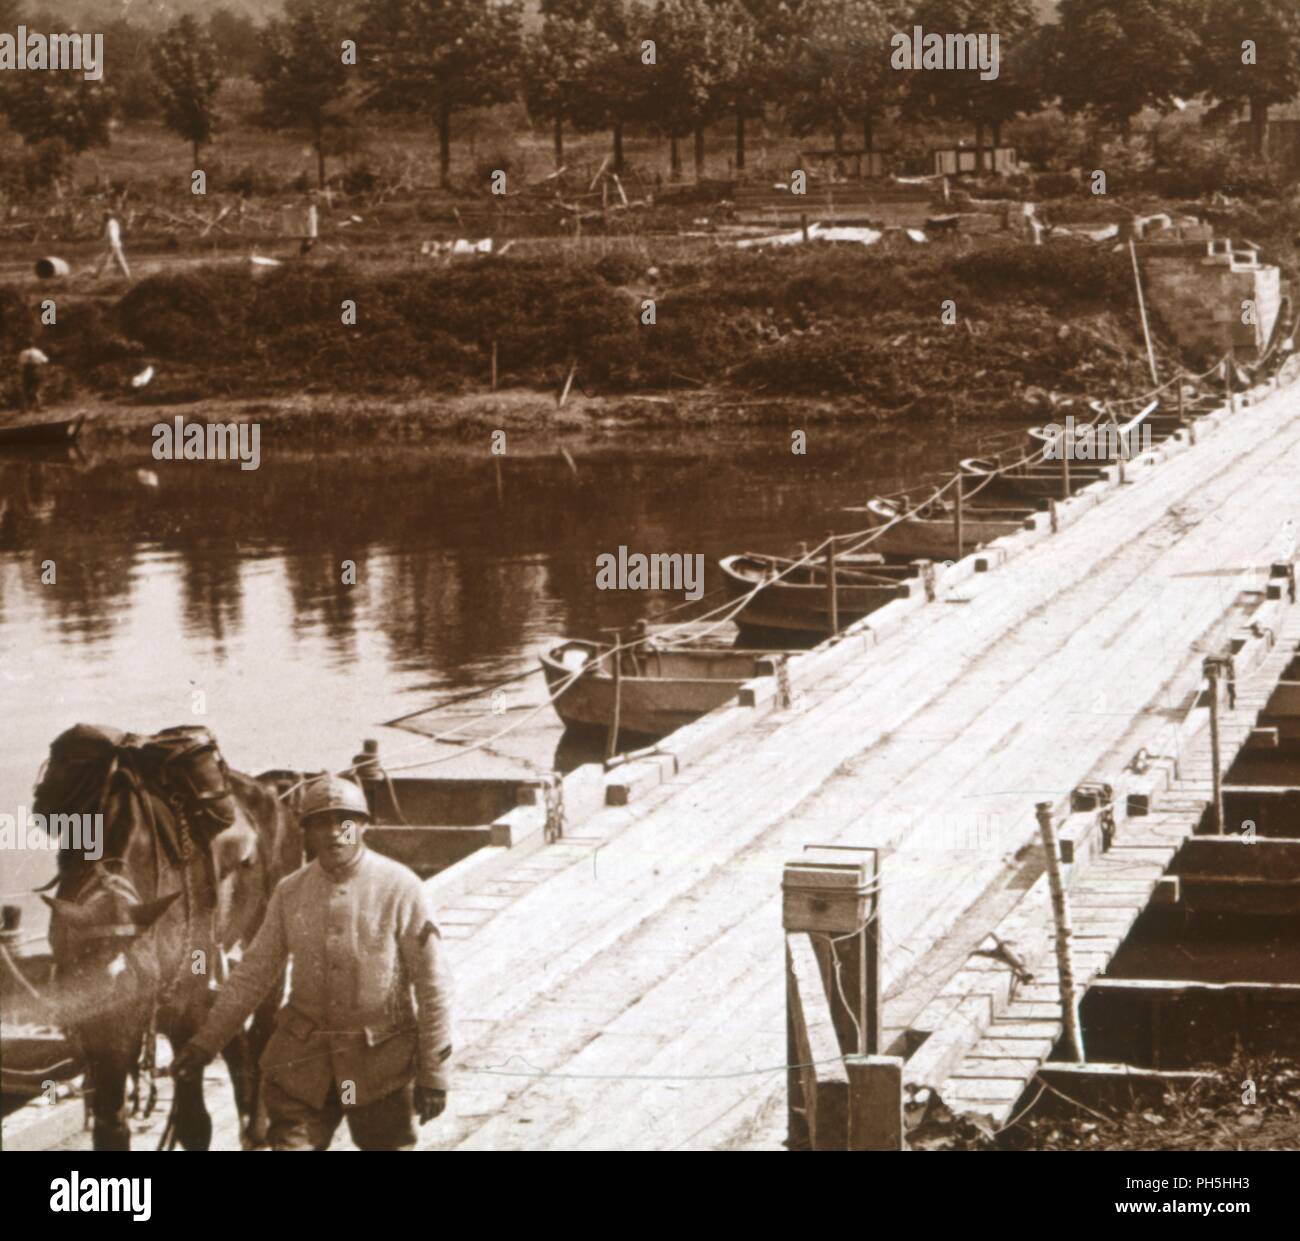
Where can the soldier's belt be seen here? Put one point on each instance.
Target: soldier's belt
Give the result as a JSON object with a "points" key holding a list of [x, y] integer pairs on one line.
{"points": [[303, 1027]]}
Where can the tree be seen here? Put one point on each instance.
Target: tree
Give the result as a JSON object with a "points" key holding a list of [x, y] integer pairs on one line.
{"points": [[762, 71], [1249, 55], [700, 48], [965, 94], [237, 39], [840, 72], [128, 49], [185, 64], [58, 106], [1112, 58], [302, 75], [563, 66], [440, 57]]}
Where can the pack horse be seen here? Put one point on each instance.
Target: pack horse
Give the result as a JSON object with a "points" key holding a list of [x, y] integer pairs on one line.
{"points": [[147, 907]]}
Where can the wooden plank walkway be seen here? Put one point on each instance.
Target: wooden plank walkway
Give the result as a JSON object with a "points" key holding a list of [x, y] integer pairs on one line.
{"points": [[627, 990], [633, 997], [1107, 895]]}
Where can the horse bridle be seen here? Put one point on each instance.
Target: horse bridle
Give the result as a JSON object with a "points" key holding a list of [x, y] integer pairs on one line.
{"points": [[125, 888]]}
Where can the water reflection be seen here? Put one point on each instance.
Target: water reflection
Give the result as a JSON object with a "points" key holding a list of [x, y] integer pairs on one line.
{"points": [[183, 585]]}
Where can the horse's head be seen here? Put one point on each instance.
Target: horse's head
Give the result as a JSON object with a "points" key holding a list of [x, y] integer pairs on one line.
{"points": [[101, 934]]}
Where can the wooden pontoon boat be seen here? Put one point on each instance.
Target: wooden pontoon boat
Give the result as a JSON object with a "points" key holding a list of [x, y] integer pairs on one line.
{"points": [[988, 480], [42, 434], [930, 532], [661, 688], [798, 602]]}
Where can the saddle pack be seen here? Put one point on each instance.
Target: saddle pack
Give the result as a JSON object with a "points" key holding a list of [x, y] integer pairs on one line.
{"points": [[182, 766]]}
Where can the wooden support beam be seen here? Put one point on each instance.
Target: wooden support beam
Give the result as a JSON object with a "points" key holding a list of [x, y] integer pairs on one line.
{"points": [[818, 1081], [1215, 857], [830, 910], [1106, 1087], [1176, 1024]]}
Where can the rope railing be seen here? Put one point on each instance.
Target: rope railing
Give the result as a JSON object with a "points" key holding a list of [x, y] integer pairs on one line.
{"points": [[855, 542]]}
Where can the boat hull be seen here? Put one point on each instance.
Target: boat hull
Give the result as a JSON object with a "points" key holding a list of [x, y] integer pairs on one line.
{"points": [[791, 607], [937, 540], [660, 691], [41, 433]]}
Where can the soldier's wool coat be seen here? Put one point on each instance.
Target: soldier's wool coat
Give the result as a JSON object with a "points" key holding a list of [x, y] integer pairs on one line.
{"points": [[369, 1003]]}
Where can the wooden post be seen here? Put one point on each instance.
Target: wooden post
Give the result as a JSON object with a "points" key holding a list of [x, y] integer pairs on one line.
{"points": [[1212, 669], [568, 383], [959, 515], [803, 224], [830, 912], [1056, 520], [1121, 443], [875, 1103], [1182, 416], [1065, 465], [1142, 307], [1061, 913], [832, 586], [494, 364], [834, 894], [1232, 380], [611, 740]]}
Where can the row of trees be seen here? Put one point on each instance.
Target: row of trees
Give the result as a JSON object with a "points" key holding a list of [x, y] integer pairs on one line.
{"points": [[679, 67]]}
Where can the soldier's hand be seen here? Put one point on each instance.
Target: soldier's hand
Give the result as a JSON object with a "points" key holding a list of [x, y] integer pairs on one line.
{"points": [[429, 1103], [190, 1062]]}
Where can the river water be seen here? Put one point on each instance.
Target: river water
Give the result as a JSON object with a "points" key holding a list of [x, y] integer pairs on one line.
{"points": [[194, 592]]}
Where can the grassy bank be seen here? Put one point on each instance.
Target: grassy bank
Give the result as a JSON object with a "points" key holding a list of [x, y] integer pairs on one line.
{"points": [[862, 328]]}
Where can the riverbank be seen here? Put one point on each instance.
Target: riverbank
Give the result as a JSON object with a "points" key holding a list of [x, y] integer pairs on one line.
{"points": [[798, 335], [534, 422]]}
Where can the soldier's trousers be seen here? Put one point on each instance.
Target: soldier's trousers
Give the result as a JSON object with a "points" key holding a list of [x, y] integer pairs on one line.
{"points": [[388, 1124]]}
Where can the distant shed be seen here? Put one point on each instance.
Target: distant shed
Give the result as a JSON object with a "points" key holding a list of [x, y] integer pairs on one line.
{"points": [[961, 161]]}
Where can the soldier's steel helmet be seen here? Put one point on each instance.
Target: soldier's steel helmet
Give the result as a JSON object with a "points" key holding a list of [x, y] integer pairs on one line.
{"points": [[330, 793]]}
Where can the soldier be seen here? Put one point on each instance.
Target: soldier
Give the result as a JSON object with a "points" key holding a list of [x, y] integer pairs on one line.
{"points": [[349, 1042], [30, 361]]}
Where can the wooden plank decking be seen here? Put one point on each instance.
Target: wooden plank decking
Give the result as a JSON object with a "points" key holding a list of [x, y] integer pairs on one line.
{"points": [[624, 989]]}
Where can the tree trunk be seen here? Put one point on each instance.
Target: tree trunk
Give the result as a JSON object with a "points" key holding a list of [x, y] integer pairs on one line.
{"points": [[997, 133], [1258, 125], [868, 132], [674, 160], [699, 154], [196, 154], [979, 148], [838, 133], [618, 146], [740, 140], [318, 137], [559, 143], [444, 145]]}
